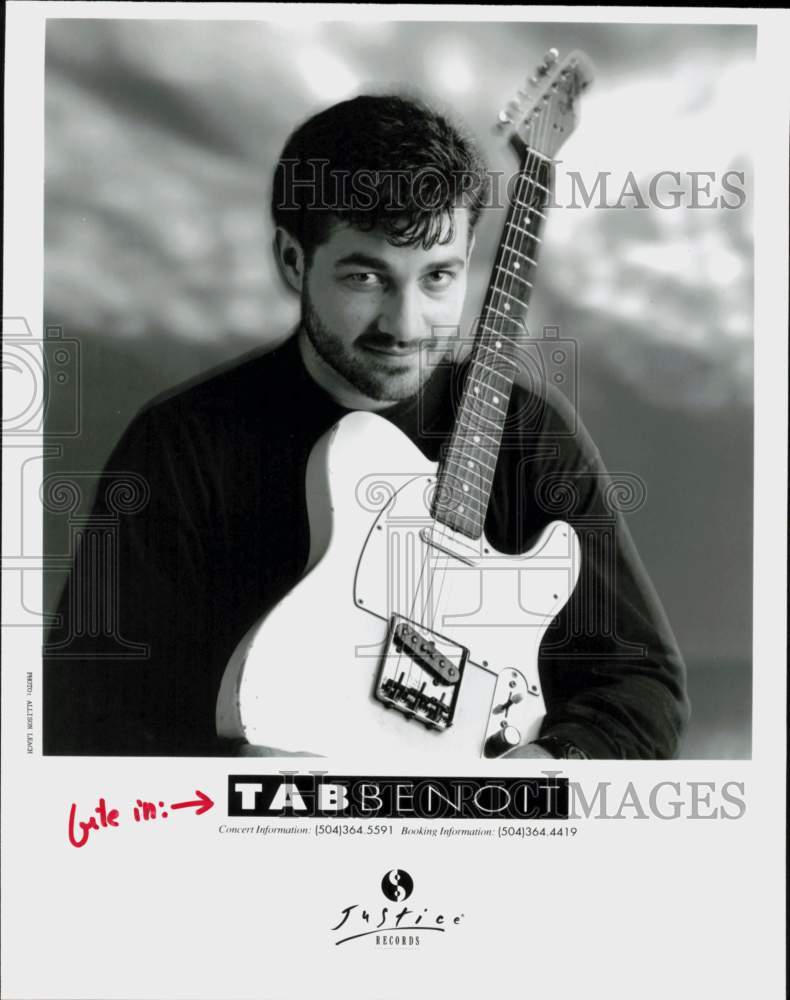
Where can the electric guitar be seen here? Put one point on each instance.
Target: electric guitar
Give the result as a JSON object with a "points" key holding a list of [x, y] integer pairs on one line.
{"points": [[409, 634]]}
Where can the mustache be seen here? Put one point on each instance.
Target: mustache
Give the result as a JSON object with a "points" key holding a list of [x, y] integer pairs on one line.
{"points": [[377, 340]]}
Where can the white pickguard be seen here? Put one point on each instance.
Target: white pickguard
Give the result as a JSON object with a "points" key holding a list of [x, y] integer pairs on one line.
{"points": [[303, 678]]}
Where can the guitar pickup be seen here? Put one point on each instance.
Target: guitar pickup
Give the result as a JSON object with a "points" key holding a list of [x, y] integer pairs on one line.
{"points": [[421, 673], [424, 652]]}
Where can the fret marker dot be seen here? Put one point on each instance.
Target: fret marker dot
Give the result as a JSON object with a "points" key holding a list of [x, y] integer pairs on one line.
{"points": [[477, 390], [471, 464], [517, 267], [466, 488], [461, 509], [498, 344], [476, 439], [507, 307], [496, 399]]}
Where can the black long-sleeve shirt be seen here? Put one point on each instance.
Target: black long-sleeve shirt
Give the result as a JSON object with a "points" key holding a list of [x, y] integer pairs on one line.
{"points": [[223, 533]]}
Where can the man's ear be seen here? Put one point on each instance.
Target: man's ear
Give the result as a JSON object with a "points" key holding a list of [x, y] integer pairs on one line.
{"points": [[290, 259]]}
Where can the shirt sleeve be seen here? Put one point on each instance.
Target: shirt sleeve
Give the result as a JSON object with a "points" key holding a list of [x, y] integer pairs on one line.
{"points": [[131, 666], [613, 676]]}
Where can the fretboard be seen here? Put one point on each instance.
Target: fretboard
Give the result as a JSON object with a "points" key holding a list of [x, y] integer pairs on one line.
{"points": [[467, 468]]}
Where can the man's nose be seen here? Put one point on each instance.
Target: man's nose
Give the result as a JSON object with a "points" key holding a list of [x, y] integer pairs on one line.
{"points": [[402, 317]]}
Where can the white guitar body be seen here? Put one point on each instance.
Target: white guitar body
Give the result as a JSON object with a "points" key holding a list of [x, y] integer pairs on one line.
{"points": [[326, 671]]}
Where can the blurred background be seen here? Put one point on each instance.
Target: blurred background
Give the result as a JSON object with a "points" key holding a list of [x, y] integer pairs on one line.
{"points": [[161, 137]]}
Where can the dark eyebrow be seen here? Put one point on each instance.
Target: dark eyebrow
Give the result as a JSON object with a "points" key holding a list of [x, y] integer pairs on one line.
{"points": [[376, 263], [445, 265], [362, 260]]}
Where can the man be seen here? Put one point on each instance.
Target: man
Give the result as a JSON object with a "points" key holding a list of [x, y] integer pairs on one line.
{"points": [[374, 205]]}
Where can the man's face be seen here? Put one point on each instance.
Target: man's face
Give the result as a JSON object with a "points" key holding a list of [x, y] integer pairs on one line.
{"points": [[368, 306]]}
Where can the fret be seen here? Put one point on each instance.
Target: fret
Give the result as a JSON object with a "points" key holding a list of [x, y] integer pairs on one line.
{"points": [[481, 485], [474, 452], [451, 511], [465, 487], [462, 473], [464, 462], [501, 291], [471, 426], [462, 453], [476, 432], [536, 184], [493, 406], [464, 517], [490, 405], [454, 446], [526, 233], [540, 156], [473, 377], [504, 315], [501, 336], [473, 501], [456, 504], [469, 463], [533, 210], [482, 364], [519, 254], [500, 356], [479, 416], [521, 229], [512, 274]]}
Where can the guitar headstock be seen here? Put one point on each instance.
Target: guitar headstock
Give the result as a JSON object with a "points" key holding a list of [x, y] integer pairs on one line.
{"points": [[544, 114]]}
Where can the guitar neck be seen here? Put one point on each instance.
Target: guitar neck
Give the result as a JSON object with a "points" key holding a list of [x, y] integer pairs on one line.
{"points": [[467, 469]]}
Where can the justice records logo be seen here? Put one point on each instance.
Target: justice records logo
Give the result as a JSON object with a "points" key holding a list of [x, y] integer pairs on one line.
{"points": [[397, 885]]}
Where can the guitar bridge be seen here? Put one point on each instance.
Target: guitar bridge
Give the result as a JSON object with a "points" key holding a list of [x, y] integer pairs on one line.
{"points": [[420, 673]]}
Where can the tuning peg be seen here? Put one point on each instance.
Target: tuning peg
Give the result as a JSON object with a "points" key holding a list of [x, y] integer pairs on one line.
{"points": [[551, 57], [503, 118]]}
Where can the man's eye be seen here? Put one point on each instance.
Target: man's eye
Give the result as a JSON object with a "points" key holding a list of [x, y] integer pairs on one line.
{"points": [[363, 279], [440, 279]]}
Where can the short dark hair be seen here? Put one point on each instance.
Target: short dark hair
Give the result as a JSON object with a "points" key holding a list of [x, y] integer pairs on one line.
{"points": [[388, 161]]}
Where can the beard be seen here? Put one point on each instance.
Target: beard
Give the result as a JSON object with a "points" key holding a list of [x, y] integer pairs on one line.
{"points": [[380, 379]]}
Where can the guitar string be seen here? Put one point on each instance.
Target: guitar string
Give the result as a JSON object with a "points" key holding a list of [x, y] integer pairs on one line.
{"points": [[431, 598], [526, 177], [524, 180], [432, 601]]}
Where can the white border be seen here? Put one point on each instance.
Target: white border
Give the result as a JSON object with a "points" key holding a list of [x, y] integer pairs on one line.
{"points": [[723, 926]]}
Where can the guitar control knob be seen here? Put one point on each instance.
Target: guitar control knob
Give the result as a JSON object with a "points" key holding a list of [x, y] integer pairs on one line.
{"points": [[502, 740]]}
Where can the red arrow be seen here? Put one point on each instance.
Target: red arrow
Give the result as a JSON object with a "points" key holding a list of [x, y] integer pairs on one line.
{"points": [[202, 800]]}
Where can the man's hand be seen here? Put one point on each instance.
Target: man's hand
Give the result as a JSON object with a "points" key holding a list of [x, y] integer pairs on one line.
{"points": [[529, 750]]}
